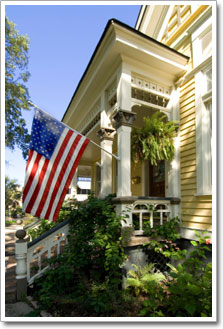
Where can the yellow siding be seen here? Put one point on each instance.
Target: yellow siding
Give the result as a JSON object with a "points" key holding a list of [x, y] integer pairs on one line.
{"points": [[185, 24], [196, 210], [186, 49]]}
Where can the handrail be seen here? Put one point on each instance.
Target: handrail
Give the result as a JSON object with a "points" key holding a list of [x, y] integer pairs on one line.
{"points": [[31, 225], [44, 247], [46, 234], [132, 199]]}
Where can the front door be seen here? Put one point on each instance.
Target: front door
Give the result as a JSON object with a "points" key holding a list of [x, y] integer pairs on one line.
{"points": [[157, 180]]}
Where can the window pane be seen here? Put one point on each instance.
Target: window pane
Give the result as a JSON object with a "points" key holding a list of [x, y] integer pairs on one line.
{"points": [[135, 219]]}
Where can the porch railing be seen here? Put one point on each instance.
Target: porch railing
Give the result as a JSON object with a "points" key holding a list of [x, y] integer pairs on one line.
{"points": [[31, 256], [154, 210]]}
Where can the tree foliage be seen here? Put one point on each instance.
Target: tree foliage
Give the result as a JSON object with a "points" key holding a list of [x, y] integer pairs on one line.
{"points": [[12, 193], [16, 93]]}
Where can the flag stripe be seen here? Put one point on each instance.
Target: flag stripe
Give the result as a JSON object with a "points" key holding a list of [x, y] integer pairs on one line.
{"points": [[31, 160], [61, 143], [86, 141], [54, 165], [32, 174], [59, 192], [55, 177], [57, 184], [38, 186], [34, 181]]}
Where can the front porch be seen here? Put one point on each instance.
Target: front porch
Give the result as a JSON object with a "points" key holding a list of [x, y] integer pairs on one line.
{"points": [[130, 76]]}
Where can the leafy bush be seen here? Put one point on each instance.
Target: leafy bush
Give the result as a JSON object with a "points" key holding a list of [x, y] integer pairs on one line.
{"points": [[169, 230], [88, 274], [187, 291], [43, 227]]}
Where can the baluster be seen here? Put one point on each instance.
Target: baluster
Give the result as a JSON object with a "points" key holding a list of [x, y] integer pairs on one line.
{"points": [[151, 218], [39, 263], [58, 246], [161, 217], [140, 221]]}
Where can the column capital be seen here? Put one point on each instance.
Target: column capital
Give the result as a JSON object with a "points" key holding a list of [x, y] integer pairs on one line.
{"points": [[106, 133], [124, 118]]}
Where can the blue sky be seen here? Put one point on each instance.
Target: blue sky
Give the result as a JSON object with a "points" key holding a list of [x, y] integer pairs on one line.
{"points": [[62, 41]]}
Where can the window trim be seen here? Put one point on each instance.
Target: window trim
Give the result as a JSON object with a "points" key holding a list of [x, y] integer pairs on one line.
{"points": [[203, 147]]}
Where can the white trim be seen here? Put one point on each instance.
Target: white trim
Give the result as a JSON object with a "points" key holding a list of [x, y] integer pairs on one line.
{"points": [[203, 153], [203, 129], [196, 69], [189, 233], [198, 22]]}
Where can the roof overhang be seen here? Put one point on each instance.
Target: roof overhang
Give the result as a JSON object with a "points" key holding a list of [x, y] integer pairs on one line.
{"points": [[117, 42], [152, 18]]}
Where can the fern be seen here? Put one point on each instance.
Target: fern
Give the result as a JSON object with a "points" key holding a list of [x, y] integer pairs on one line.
{"points": [[154, 141], [143, 277]]}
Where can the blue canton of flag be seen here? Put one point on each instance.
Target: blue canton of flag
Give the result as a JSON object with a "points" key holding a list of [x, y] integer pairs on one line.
{"points": [[46, 132]]}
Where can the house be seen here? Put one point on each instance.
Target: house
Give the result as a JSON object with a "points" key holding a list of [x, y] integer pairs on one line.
{"points": [[163, 64]]}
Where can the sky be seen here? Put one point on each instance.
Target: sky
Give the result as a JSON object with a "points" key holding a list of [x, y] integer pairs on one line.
{"points": [[62, 41]]}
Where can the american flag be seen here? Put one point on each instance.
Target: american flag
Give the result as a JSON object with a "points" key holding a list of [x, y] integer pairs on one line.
{"points": [[55, 151]]}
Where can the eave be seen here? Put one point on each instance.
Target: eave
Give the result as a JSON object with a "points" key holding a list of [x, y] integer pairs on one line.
{"points": [[118, 40]]}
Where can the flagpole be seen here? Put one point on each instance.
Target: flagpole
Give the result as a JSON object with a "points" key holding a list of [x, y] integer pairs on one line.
{"points": [[115, 156]]}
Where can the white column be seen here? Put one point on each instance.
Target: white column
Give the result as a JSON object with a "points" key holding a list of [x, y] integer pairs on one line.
{"points": [[106, 168], [123, 120], [124, 87], [74, 184], [173, 174], [124, 164], [106, 136]]}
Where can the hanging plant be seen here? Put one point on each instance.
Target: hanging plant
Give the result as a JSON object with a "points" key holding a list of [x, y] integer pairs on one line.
{"points": [[154, 141]]}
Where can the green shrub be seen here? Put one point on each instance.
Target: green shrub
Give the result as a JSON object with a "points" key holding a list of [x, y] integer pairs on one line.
{"points": [[188, 289], [46, 225], [43, 227], [89, 270]]}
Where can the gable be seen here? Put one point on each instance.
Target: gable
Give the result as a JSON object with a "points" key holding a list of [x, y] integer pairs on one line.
{"points": [[167, 23], [178, 16]]}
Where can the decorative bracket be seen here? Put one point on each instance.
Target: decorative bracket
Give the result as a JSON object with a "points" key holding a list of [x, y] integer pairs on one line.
{"points": [[124, 118], [106, 133]]}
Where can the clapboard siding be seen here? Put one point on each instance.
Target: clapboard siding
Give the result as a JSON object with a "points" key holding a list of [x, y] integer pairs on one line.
{"points": [[196, 210]]}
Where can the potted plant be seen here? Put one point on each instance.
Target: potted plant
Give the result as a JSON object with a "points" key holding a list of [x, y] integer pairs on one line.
{"points": [[155, 140]]}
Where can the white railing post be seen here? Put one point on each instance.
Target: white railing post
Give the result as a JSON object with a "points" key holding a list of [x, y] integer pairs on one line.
{"points": [[21, 268]]}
